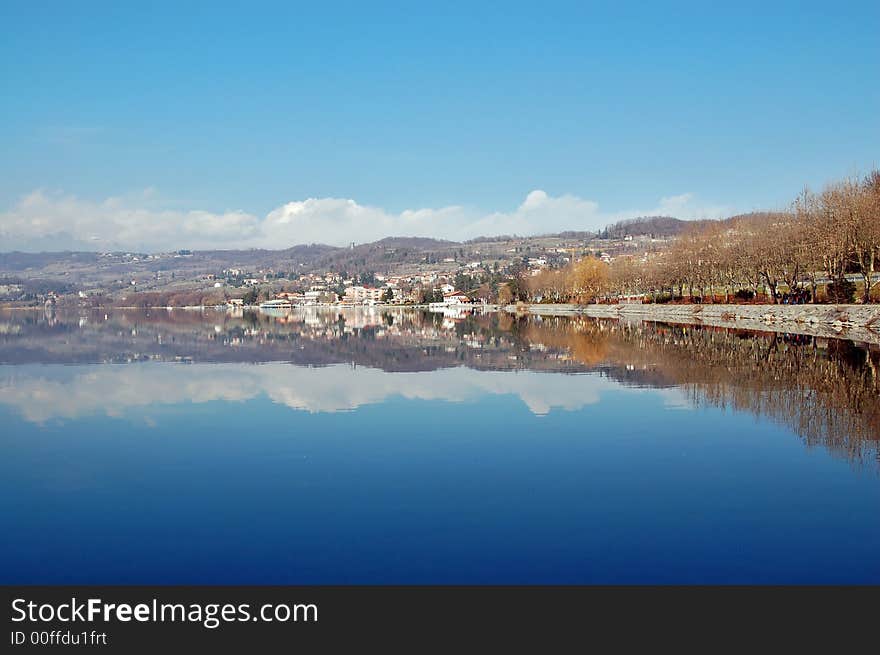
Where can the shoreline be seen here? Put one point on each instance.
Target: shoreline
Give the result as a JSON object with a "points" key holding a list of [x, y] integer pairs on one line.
{"points": [[855, 322]]}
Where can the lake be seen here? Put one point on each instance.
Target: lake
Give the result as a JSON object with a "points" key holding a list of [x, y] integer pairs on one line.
{"points": [[397, 446]]}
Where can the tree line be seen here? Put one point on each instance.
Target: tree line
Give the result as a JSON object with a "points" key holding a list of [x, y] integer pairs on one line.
{"points": [[807, 253]]}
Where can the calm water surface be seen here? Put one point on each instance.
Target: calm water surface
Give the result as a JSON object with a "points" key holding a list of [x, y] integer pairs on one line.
{"points": [[402, 447]]}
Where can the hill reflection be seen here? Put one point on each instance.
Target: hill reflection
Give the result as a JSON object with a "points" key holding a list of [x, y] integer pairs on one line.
{"points": [[825, 390]]}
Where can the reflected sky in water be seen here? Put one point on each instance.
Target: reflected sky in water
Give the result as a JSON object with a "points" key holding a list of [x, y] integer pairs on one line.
{"points": [[413, 448]]}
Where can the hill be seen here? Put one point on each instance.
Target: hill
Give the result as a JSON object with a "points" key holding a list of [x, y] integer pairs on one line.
{"points": [[652, 226]]}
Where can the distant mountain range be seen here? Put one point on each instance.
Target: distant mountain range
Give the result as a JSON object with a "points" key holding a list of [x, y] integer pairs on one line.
{"points": [[389, 254]]}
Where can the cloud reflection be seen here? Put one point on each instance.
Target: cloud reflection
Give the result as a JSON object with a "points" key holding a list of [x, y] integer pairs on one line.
{"points": [[43, 393]]}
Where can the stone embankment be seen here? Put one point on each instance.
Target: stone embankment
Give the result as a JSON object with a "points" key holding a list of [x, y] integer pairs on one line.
{"points": [[857, 322]]}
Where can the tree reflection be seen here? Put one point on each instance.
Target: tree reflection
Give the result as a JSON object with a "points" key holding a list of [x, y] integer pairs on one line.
{"points": [[826, 390]]}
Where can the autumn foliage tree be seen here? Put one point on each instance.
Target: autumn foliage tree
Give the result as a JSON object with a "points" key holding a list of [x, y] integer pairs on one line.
{"points": [[818, 241], [582, 281]]}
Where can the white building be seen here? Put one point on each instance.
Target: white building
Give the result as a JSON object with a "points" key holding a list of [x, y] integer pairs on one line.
{"points": [[359, 295], [455, 298]]}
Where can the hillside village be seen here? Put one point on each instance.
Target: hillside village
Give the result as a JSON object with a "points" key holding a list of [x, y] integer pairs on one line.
{"points": [[393, 270], [824, 248]]}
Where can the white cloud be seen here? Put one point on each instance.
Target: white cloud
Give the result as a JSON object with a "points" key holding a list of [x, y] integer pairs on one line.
{"points": [[52, 221], [70, 222]]}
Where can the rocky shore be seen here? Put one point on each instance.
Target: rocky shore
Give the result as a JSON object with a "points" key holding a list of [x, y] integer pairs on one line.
{"points": [[856, 322]]}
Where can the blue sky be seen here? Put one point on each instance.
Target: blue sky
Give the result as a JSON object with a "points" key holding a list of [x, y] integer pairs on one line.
{"points": [[138, 124]]}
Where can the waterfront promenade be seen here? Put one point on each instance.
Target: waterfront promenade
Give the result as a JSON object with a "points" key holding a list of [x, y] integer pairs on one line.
{"points": [[857, 322]]}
